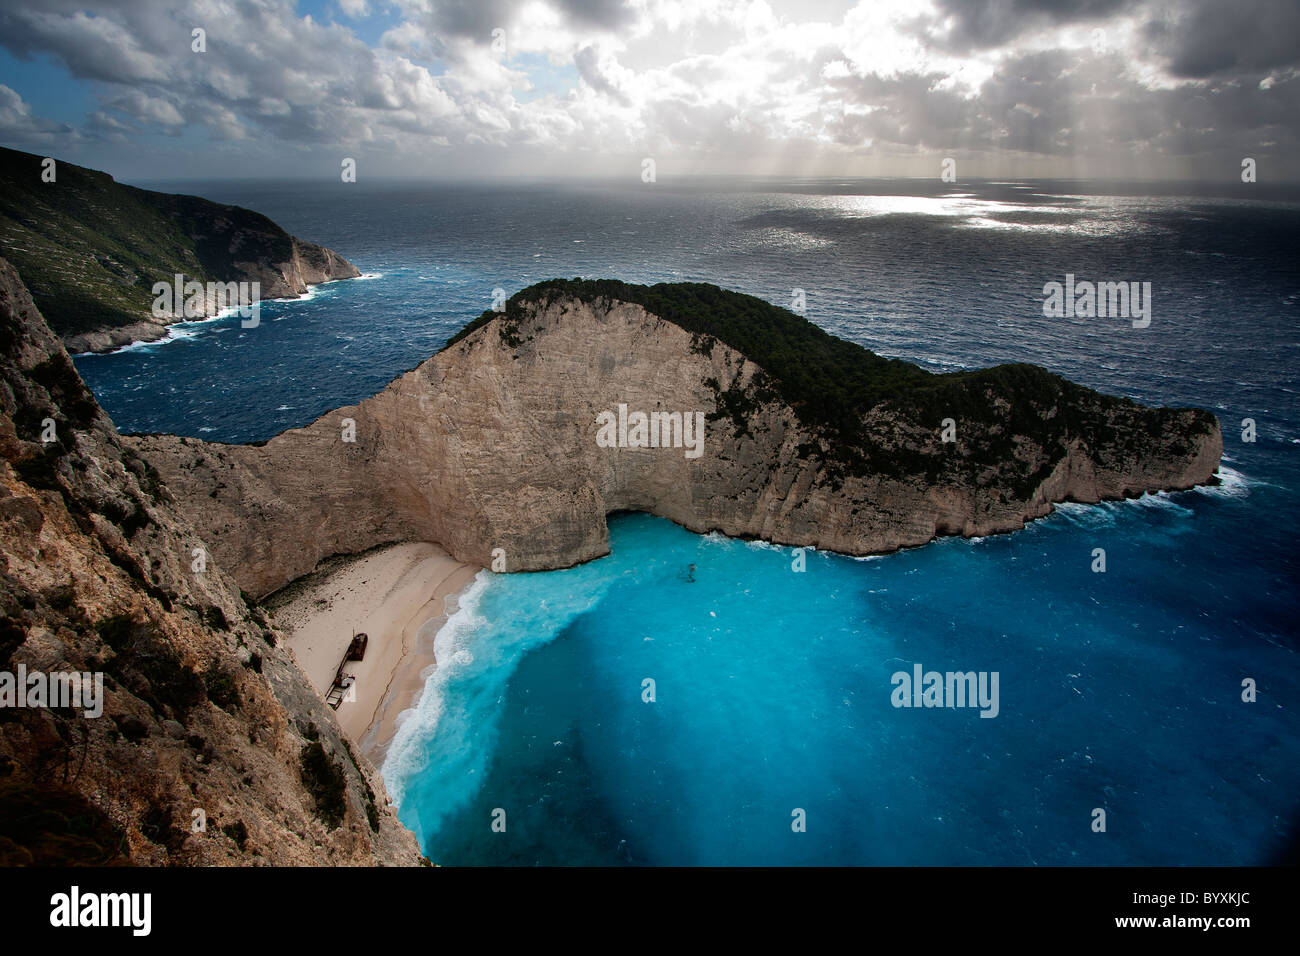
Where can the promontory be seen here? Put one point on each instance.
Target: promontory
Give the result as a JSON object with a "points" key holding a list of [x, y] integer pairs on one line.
{"points": [[511, 446], [90, 251]]}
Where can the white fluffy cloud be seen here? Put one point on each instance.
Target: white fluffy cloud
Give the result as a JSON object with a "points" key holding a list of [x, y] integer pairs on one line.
{"points": [[19, 127]]}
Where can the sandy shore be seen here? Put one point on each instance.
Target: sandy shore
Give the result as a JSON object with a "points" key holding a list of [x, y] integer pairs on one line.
{"points": [[399, 595]]}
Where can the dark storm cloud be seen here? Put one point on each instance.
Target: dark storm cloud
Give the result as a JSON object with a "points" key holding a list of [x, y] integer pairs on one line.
{"points": [[1204, 38], [603, 14], [92, 47], [1196, 38], [977, 24], [470, 18], [908, 110], [1061, 103]]}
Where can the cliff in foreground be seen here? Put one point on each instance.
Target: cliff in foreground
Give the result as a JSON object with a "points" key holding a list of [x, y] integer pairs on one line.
{"points": [[490, 448], [210, 746], [90, 250]]}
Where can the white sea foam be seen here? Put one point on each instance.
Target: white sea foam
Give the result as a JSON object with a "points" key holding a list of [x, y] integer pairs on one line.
{"points": [[175, 332], [1162, 500], [1232, 484], [313, 291], [1084, 515], [418, 723], [178, 331], [449, 749]]}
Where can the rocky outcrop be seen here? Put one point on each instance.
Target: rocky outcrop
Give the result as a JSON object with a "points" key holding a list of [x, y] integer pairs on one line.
{"points": [[90, 250], [492, 444], [110, 338], [235, 244], [212, 747]]}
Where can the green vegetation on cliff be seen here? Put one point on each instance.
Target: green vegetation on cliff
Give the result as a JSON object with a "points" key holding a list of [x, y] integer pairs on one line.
{"points": [[89, 249]]}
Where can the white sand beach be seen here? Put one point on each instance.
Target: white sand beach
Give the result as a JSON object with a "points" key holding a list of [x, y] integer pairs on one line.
{"points": [[392, 594]]}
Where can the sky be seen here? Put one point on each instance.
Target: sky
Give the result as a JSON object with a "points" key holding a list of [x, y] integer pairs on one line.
{"points": [[1089, 89]]}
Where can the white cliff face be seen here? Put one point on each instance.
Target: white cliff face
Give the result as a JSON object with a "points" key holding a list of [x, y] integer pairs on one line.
{"points": [[307, 265], [492, 444]]}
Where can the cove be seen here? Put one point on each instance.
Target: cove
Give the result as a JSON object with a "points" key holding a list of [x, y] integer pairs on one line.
{"points": [[773, 695]]}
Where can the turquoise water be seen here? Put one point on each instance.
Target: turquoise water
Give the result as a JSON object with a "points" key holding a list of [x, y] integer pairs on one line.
{"points": [[773, 693]]}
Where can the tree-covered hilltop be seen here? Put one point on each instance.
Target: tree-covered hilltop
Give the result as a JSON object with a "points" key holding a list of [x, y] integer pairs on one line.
{"points": [[852, 399], [90, 249]]}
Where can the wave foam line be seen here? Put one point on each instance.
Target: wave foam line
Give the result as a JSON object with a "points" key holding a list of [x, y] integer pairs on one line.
{"points": [[176, 331], [441, 751], [405, 755], [1232, 484]]}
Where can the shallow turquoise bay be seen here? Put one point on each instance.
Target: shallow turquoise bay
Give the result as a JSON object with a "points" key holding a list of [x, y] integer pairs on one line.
{"points": [[772, 693]]}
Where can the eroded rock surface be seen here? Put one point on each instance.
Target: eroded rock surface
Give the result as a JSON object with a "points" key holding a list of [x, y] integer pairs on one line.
{"points": [[203, 710]]}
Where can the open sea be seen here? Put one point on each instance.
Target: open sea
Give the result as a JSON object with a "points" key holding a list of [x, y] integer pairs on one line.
{"points": [[771, 737]]}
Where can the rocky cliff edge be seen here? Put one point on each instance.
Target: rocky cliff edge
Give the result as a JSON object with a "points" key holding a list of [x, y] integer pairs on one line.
{"points": [[211, 748]]}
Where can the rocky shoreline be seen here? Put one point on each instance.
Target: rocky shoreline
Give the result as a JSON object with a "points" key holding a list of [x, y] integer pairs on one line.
{"points": [[490, 451], [108, 339]]}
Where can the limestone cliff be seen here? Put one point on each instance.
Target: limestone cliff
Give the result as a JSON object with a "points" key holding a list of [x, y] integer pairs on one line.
{"points": [[492, 443], [90, 250], [204, 708]]}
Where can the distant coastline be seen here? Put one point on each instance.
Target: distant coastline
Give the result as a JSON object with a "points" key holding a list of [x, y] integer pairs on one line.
{"points": [[149, 332], [91, 251]]}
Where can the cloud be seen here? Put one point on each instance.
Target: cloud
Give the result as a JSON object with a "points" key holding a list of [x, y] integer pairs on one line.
{"points": [[718, 84], [19, 126], [602, 73], [1208, 38], [148, 109], [477, 19], [94, 47], [973, 24]]}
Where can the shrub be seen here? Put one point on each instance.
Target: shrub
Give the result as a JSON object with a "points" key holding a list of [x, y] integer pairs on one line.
{"points": [[323, 778]]}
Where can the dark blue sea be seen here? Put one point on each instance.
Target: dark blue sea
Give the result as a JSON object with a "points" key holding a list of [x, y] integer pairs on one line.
{"points": [[772, 738]]}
